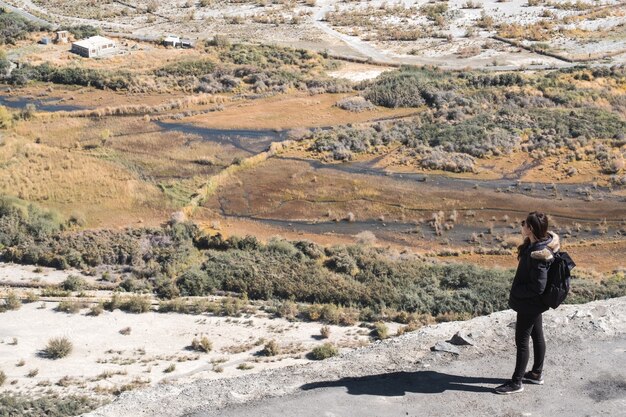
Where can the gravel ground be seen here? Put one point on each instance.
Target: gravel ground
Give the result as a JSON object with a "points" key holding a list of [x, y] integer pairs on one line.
{"points": [[396, 376]]}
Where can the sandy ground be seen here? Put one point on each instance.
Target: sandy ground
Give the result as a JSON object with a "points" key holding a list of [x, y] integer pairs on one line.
{"points": [[103, 359], [584, 370]]}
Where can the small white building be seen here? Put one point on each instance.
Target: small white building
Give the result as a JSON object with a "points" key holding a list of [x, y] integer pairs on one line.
{"points": [[171, 40], [95, 47]]}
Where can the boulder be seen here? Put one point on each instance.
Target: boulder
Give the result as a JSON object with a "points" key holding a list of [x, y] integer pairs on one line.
{"points": [[462, 338], [445, 347]]}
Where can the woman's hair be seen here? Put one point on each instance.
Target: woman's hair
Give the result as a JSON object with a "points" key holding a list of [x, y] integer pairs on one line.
{"points": [[537, 222]]}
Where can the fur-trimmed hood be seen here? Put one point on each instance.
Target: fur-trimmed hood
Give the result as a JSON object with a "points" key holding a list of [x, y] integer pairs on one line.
{"points": [[544, 250]]}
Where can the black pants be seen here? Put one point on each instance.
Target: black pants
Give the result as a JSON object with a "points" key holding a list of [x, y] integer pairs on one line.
{"points": [[528, 325]]}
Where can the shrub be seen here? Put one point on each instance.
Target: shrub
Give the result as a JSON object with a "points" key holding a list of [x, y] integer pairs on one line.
{"points": [[170, 368], [271, 349], [11, 302], [194, 282], [14, 27], [202, 345], [70, 306], [96, 310], [380, 331], [136, 304], [325, 332], [57, 347], [244, 366], [46, 405], [6, 118], [74, 283], [3, 378], [125, 331], [82, 31], [354, 104], [325, 351]]}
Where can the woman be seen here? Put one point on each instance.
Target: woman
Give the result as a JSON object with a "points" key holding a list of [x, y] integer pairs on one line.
{"points": [[535, 256]]}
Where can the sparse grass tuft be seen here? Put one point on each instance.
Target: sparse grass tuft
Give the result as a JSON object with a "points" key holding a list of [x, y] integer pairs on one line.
{"points": [[57, 347], [244, 366], [170, 368]]}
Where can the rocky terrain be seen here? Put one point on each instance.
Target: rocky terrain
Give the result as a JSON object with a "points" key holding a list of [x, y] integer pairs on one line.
{"points": [[584, 370]]}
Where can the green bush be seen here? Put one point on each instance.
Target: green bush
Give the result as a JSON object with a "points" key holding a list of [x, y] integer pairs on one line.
{"points": [[58, 347], [74, 283], [82, 31], [195, 282], [187, 68], [14, 27], [53, 405], [136, 304], [325, 351]]}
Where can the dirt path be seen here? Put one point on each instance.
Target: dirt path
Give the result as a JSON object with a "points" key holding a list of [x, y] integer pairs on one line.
{"points": [[585, 375], [587, 378]]}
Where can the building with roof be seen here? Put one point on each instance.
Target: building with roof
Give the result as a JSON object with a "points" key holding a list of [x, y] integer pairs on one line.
{"points": [[95, 47], [171, 40]]}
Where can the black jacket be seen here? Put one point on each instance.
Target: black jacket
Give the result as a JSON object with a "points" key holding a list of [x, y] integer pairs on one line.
{"points": [[532, 275]]}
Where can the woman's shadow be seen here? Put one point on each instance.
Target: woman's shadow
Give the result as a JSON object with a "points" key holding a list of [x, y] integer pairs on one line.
{"points": [[399, 383]]}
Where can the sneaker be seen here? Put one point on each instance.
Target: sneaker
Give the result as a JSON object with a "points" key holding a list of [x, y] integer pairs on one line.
{"points": [[509, 388], [533, 378]]}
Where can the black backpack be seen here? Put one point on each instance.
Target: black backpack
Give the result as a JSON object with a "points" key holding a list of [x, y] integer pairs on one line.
{"points": [[558, 279]]}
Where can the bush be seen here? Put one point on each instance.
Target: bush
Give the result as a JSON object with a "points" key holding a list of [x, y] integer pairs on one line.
{"points": [[71, 307], [74, 283], [271, 349], [48, 405], [325, 351], [11, 302], [355, 104], [380, 331], [202, 345], [96, 310], [58, 347], [14, 27], [136, 304], [3, 378], [194, 282], [82, 31], [325, 332]]}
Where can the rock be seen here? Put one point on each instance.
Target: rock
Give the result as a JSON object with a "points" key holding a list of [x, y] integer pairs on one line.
{"points": [[462, 338], [445, 347]]}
